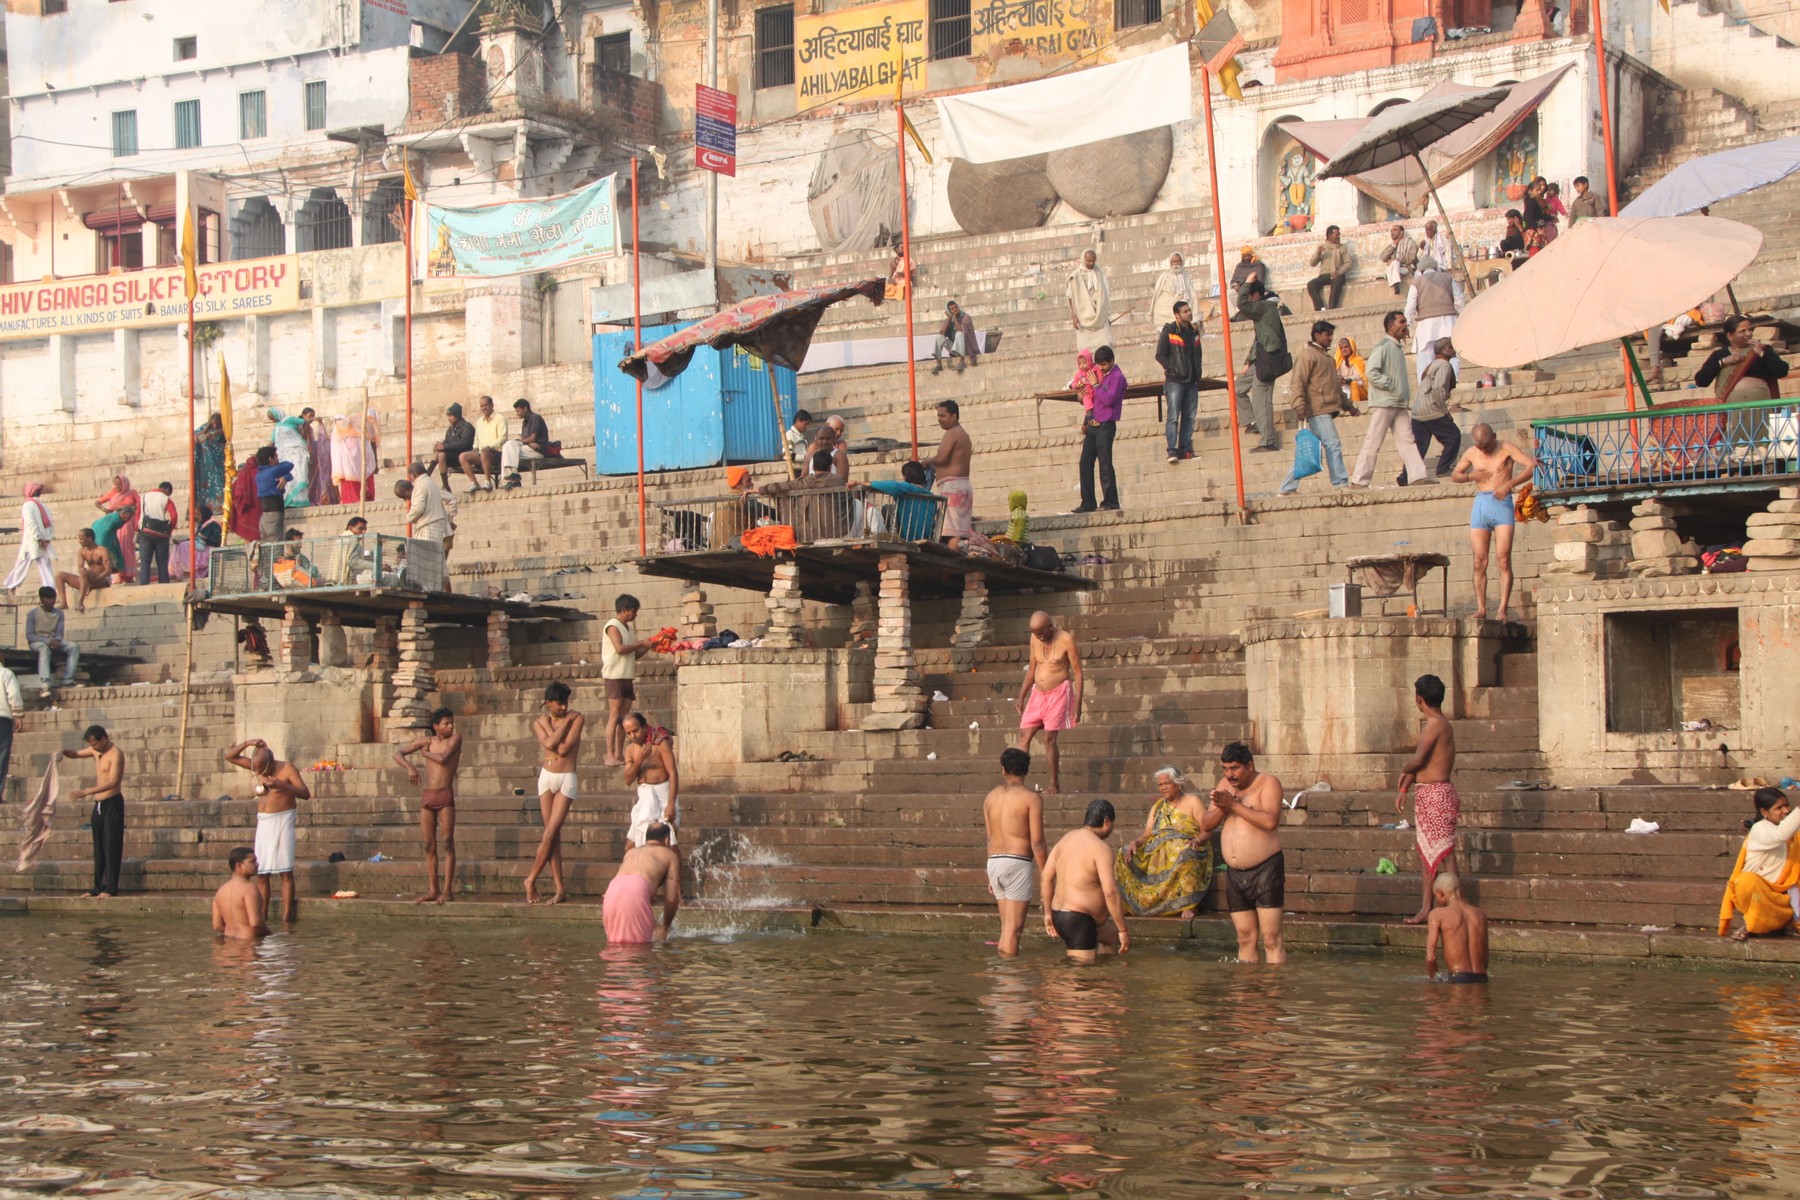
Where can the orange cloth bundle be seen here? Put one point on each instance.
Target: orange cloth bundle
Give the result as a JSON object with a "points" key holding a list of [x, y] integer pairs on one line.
{"points": [[663, 640], [767, 539]]}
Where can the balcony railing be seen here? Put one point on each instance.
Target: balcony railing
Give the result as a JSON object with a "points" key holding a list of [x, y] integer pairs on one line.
{"points": [[1689, 447], [824, 515], [316, 564]]}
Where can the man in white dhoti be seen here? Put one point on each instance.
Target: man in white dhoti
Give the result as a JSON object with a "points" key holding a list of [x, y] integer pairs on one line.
{"points": [[1432, 303], [1090, 304], [1172, 287], [37, 537]]}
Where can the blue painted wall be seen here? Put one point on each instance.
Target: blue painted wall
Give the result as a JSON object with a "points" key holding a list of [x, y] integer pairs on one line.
{"points": [[716, 411]]}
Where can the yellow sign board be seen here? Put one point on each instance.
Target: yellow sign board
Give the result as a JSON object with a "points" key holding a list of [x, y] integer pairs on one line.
{"points": [[134, 299], [1040, 29], [858, 53]]}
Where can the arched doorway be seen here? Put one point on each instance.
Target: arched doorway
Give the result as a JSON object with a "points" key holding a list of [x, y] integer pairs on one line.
{"points": [[257, 231], [1286, 175]]}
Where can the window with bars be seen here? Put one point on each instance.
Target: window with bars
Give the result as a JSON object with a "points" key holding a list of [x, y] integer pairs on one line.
{"points": [[1128, 14], [186, 48], [187, 124], [51, 7], [775, 46], [253, 115], [315, 105], [613, 53], [949, 28], [124, 131]]}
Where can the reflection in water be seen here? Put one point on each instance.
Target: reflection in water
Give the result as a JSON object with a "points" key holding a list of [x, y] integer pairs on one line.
{"points": [[141, 1061]]}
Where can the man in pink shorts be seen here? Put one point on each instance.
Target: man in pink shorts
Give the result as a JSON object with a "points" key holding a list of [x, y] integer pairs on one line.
{"points": [[1051, 697]]}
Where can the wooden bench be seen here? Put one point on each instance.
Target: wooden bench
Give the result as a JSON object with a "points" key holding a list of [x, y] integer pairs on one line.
{"points": [[1384, 576], [551, 464], [97, 665]]}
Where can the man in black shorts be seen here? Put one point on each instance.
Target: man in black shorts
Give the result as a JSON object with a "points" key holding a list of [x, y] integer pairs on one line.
{"points": [[1248, 804], [1079, 890]]}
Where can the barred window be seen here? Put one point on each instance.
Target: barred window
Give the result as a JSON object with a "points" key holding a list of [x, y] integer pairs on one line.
{"points": [[124, 131], [187, 124], [775, 46], [949, 29], [253, 115], [1129, 13]]}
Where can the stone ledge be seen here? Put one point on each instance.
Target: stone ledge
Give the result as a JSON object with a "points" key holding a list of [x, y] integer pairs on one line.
{"points": [[1733, 584], [1281, 628]]}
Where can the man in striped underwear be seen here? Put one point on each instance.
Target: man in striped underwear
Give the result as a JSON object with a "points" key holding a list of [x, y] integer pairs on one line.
{"points": [[1436, 805], [1014, 815]]}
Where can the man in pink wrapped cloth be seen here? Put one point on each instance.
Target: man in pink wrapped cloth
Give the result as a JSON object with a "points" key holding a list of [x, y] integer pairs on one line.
{"points": [[1436, 806], [626, 911], [1051, 697]]}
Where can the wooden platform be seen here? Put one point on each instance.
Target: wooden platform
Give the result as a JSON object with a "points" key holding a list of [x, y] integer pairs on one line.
{"points": [[362, 606], [830, 570], [95, 664]]}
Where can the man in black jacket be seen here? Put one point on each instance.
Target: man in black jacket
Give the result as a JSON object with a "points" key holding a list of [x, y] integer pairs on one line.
{"points": [[1178, 352]]}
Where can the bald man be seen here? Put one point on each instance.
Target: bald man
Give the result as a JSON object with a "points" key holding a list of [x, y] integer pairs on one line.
{"points": [[1050, 699], [1490, 464]]}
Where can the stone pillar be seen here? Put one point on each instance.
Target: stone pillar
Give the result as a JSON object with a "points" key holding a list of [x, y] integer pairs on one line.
{"points": [[499, 642], [334, 648], [900, 702], [1656, 548], [697, 619], [1589, 546], [414, 680], [862, 617], [785, 632], [975, 624], [1774, 536], [294, 652], [386, 653]]}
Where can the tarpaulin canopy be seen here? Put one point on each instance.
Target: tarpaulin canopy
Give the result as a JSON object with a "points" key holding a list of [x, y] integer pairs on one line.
{"points": [[1711, 178], [1062, 111], [1399, 186], [778, 328]]}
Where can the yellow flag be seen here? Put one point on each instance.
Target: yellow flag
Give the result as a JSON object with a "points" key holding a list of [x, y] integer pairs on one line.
{"points": [[913, 133], [191, 280], [412, 189], [1219, 43], [230, 459]]}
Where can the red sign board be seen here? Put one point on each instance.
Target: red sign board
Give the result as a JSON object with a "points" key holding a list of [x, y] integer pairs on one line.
{"points": [[715, 130]]}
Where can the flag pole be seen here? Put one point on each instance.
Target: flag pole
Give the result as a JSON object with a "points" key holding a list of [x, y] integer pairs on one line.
{"points": [[1212, 166], [637, 338], [408, 219], [906, 268], [1598, 19], [190, 255]]}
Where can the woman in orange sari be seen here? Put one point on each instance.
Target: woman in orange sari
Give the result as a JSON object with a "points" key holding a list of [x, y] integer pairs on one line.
{"points": [[119, 535], [1765, 883], [1354, 371]]}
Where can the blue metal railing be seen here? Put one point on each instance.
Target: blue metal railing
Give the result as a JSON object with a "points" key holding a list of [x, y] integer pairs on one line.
{"points": [[1671, 444], [828, 514], [342, 561]]}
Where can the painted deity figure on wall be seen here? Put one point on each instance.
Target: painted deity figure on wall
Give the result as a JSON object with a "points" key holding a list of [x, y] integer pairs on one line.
{"points": [[1515, 164], [1294, 183]]}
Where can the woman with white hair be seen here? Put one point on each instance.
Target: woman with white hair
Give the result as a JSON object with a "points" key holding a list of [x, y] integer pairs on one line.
{"points": [[1169, 866]]}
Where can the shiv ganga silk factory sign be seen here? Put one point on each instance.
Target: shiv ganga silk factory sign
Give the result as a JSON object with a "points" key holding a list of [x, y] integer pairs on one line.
{"points": [[862, 53], [156, 296]]}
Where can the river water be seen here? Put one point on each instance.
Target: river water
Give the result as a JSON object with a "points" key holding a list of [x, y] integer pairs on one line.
{"points": [[142, 1059]]}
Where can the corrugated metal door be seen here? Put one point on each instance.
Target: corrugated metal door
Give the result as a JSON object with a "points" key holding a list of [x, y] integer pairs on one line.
{"points": [[683, 425], [752, 429]]}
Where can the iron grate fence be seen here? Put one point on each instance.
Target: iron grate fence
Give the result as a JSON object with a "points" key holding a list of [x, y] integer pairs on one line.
{"points": [[1684, 443], [343, 561], [815, 515]]}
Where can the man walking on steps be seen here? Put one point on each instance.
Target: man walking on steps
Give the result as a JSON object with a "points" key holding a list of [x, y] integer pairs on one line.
{"points": [[1318, 397], [1178, 353], [1098, 430], [1268, 360], [1014, 815], [1390, 405], [1051, 697]]}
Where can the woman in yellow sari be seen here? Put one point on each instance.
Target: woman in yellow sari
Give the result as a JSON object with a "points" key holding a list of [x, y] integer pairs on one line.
{"points": [[1354, 371], [1169, 867], [1765, 883]]}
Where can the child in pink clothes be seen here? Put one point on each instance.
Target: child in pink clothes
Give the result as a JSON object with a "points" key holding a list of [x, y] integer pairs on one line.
{"points": [[1086, 377]]}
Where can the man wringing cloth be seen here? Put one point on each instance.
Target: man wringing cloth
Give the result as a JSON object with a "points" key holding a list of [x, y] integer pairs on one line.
{"points": [[1435, 802]]}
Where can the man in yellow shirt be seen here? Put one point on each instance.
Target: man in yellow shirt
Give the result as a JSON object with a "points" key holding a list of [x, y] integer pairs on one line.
{"points": [[484, 459]]}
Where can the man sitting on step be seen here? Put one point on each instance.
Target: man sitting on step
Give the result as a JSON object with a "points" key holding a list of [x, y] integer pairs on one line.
{"points": [[957, 337]]}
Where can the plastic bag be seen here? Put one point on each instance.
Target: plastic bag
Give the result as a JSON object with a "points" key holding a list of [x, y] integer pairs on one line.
{"points": [[1309, 455]]}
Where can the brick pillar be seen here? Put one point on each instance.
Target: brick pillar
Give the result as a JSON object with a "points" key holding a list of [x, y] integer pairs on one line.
{"points": [[1589, 546], [334, 649], [1773, 536], [294, 652], [499, 642], [785, 631], [386, 654], [975, 624], [900, 702], [697, 620], [862, 617], [414, 681]]}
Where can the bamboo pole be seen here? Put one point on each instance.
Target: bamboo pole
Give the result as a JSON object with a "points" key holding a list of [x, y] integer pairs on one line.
{"points": [[637, 339], [780, 425], [906, 269], [1225, 298]]}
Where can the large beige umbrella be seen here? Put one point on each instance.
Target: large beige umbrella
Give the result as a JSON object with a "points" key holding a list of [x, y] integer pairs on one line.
{"points": [[1607, 278]]}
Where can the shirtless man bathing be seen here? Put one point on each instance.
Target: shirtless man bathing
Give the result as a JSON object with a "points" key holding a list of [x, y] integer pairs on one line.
{"points": [[1438, 806], [1080, 891], [626, 911], [558, 733], [1489, 463], [1461, 929], [95, 571], [437, 803], [108, 817], [1014, 815], [1050, 699], [237, 907], [650, 764], [278, 789], [1248, 804]]}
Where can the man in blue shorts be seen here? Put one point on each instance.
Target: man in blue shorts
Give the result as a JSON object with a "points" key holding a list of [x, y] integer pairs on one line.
{"points": [[1490, 463]]}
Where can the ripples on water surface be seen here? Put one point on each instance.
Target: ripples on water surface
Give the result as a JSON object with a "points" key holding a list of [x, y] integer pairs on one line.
{"points": [[143, 1060]]}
